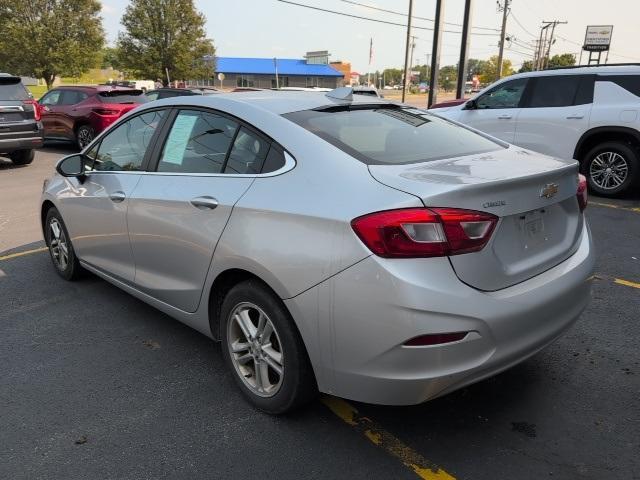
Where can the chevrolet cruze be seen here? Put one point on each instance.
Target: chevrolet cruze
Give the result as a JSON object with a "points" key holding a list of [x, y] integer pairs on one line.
{"points": [[331, 242]]}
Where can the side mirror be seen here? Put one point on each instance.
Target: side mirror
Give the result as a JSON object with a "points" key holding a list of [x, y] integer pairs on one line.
{"points": [[471, 105], [72, 166]]}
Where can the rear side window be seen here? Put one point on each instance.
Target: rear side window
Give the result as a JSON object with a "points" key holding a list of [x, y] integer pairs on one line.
{"points": [[71, 97], [122, 96], [11, 88], [554, 91], [248, 153], [390, 135], [197, 143], [630, 83]]}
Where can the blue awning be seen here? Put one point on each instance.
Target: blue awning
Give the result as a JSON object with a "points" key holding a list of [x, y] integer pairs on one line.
{"points": [[265, 66]]}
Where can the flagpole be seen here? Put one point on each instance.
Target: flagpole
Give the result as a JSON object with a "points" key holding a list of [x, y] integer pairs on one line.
{"points": [[370, 59]]}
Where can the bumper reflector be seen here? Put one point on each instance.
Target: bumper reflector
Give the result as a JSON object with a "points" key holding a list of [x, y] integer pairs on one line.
{"points": [[435, 339]]}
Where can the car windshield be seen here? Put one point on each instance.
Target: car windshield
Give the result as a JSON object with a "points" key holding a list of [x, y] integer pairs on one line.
{"points": [[387, 134], [11, 88]]}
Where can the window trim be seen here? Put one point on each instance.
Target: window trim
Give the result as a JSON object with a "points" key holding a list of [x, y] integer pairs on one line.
{"points": [[154, 159]]}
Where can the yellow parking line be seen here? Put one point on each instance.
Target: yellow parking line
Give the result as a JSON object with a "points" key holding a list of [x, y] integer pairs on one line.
{"points": [[626, 283], [379, 436], [26, 252], [619, 207]]}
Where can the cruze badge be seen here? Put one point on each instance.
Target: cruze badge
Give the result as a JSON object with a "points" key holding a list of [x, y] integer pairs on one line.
{"points": [[496, 203], [549, 190]]}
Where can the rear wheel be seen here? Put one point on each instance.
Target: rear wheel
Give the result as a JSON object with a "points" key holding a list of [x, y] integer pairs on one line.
{"points": [[84, 135], [611, 168], [263, 349], [22, 157], [61, 250]]}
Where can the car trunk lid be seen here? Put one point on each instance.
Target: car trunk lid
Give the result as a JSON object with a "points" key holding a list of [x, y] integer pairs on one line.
{"points": [[533, 195]]}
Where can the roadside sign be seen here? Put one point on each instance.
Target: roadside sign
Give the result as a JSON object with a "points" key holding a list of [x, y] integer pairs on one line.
{"points": [[221, 76], [597, 38]]}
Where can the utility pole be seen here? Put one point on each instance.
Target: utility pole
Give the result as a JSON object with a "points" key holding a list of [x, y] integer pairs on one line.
{"points": [[464, 49], [503, 33], [544, 47], [406, 52], [435, 52]]}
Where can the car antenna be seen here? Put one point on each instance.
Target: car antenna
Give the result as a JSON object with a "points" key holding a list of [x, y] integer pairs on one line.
{"points": [[341, 93]]}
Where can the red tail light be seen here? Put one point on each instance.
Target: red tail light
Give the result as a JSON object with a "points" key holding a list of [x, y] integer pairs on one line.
{"points": [[36, 108], [582, 192], [422, 232], [106, 111]]}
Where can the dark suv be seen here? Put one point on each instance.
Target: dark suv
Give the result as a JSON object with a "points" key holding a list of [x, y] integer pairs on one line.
{"points": [[20, 125]]}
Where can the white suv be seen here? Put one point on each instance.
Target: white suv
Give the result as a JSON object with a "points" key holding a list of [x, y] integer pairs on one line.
{"points": [[591, 114]]}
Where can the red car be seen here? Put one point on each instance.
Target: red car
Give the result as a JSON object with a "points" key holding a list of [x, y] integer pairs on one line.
{"points": [[78, 114], [449, 103]]}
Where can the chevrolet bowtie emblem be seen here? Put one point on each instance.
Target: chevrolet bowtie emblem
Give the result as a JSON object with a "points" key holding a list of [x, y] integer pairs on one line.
{"points": [[549, 190]]}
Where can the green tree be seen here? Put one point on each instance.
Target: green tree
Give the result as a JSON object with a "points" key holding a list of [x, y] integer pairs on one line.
{"points": [[562, 60], [47, 38], [393, 76], [527, 66], [476, 67], [110, 57], [490, 73], [161, 35], [447, 77]]}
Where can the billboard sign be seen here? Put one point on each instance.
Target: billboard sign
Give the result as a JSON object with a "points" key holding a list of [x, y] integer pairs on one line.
{"points": [[597, 38]]}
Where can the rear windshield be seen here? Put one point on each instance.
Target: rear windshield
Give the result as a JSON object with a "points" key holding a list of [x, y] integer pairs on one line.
{"points": [[11, 88], [123, 96], [391, 135]]}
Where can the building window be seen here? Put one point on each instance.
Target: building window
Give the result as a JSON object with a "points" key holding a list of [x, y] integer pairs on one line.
{"points": [[245, 81], [313, 82], [283, 82]]}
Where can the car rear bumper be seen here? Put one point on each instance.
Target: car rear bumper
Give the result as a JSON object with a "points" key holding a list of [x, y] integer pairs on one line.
{"points": [[26, 141], [379, 304]]}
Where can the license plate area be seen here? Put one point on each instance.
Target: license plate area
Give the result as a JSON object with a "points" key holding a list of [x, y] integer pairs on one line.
{"points": [[532, 228]]}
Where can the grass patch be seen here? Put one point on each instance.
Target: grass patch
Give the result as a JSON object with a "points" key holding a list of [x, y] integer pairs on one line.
{"points": [[37, 90]]}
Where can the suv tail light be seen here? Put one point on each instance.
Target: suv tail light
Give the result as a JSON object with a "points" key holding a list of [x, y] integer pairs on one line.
{"points": [[422, 232], [36, 108], [582, 192], [106, 111]]}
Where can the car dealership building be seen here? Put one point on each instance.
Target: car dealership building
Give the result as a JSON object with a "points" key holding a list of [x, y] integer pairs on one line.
{"points": [[314, 70]]}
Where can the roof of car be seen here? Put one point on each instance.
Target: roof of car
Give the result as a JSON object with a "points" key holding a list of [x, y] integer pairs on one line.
{"points": [[274, 101], [582, 70]]}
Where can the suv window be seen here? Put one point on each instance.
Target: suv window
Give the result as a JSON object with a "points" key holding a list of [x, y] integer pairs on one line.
{"points": [[198, 143], [71, 97], [505, 95], [392, 135], [51, 98], [248, 153], [124, 147], [554, 91], [122, 96], [630, 83], [11, 88]]}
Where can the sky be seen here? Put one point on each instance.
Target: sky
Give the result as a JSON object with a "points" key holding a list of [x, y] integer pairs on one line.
{"points": [[270, 28]]}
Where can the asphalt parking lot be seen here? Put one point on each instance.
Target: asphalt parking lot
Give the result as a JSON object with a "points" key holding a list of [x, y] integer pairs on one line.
{"points": [[96, 384]]}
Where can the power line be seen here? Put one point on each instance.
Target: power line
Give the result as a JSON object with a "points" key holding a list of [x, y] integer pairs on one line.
{"points": [[521, 26], [394, 12], [373, 19]]}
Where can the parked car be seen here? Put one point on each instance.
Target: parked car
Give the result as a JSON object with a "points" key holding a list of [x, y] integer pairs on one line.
{"points": [[168, 92], [331, 242], [20, 125], [144, 85], [78, 114], [449, 103], [588, 113]]}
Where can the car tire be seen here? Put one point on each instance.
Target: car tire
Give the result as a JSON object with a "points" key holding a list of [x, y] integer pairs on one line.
{"points": [[611, 168], [60, 247], [84, 136], [22, 157], [254, 364]]}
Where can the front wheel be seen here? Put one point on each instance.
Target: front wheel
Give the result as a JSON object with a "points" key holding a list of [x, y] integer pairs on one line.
{"points": [[264, 350], [84, 135], [611, 168], [22, 157], [61, 250]]}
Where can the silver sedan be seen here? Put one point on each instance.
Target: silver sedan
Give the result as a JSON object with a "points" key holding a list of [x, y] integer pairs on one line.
{"points": [[332, 242]]}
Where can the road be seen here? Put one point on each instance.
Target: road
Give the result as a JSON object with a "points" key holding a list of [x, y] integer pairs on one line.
{"points": [[96, 384]]}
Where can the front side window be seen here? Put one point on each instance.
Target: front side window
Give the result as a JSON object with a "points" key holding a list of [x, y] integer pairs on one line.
{"points": [[505, 95], [124, 147], [554, 91], [389, 134], [197, 143], [51, 98]]}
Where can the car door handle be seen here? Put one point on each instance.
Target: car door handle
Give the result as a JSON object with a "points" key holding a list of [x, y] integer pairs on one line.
{"points": [[204, 203], [117, 197], [574, 117], [504, 117]]}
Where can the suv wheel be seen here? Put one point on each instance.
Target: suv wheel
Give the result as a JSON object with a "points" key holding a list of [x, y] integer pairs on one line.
{"points": [[84, 135], [263, 349], [611, 168], [22, 157], [61, 250]]}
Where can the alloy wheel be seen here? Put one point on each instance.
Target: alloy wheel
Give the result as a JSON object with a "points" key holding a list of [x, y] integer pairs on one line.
{"points": [[58, 245], [255, 349], [85, 135], [608, 170]]}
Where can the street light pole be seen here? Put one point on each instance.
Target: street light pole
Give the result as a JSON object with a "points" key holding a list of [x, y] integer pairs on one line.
{"points": [[464, 48], [406, 52]]}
